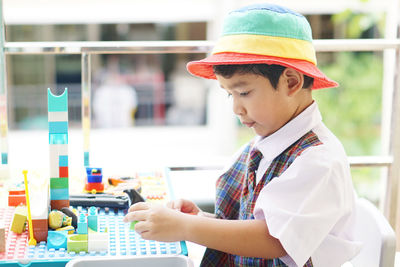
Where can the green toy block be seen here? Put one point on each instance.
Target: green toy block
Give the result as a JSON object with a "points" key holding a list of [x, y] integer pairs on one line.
{"points": [[132, 226], [77, 243], [58, 183], [57, 103]]}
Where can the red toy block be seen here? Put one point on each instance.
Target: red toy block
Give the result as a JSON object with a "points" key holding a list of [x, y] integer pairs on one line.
{"points": [[97, 187], [40, 229], [59, 204], [63, 172]]}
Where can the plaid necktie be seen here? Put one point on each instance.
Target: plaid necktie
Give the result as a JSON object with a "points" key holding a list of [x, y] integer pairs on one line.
{"points": [[254, 161]]}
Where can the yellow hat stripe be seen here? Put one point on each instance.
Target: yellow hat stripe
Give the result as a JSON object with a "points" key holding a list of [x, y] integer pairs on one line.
{"points": [[267, 45]]}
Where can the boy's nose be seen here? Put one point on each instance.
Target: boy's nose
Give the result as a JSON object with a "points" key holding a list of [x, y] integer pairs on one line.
{"points": [[238, 109]]}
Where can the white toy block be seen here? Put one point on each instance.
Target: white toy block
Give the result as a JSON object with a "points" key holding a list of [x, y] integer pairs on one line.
{"points": [[98, 241], [58, 116]]}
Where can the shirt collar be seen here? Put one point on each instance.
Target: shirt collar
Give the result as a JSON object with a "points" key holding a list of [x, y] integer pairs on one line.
{"points": [[274, 144]]}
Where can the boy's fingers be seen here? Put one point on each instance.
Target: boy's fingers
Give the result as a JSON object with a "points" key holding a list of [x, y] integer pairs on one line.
{"points": [[138, 206], [139, 215], [141, 227]]}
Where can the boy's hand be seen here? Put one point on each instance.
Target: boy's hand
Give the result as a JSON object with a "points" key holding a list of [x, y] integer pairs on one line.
{"points": [[156, 222], [183, 205]]}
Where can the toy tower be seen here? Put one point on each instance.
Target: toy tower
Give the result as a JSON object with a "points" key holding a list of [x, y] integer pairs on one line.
{"points": [[58, 141]]}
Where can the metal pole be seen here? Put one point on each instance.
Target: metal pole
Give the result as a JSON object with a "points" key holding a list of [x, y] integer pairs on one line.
{"points": [[3, 92], [86, 88], [394, 170]]}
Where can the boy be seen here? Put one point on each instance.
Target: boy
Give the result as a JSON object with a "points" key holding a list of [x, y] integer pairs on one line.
{"points": [[288, 198]]}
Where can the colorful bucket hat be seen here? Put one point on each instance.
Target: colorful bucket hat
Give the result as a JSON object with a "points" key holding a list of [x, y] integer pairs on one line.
{"points": [[264, 34]]}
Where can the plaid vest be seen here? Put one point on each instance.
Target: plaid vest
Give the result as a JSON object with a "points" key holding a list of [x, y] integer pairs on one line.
{"points": [[236, 199]]}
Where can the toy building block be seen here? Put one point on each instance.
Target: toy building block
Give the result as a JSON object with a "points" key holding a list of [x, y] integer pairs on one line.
{"points": [[77, 243], [16, 198], [57, 239], [98, 242], [2, 238], [94, 187], [92, 218], [57, 103], [58, 142], [18, 224], [59, 194], [68, 229], [59, 204], [40, 229], [82, 224], [59, 183]]}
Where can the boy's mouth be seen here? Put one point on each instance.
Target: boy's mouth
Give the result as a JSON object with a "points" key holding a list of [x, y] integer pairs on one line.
{"points": [[248, 124]]}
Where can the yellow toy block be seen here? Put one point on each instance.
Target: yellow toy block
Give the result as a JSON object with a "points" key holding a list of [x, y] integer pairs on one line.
{"points": [[18, 224]]}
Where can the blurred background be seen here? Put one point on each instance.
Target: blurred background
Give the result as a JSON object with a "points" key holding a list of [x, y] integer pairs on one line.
{"points": [[147, 111]]}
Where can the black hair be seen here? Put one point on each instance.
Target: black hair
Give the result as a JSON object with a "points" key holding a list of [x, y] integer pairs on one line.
{"points": [[271, 72]]}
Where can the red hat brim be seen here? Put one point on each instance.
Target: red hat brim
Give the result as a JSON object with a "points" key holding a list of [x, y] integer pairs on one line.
{"points": [[204, 68]]}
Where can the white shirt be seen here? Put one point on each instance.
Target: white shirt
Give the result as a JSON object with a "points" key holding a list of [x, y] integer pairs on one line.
{"points": [[310, 207]]}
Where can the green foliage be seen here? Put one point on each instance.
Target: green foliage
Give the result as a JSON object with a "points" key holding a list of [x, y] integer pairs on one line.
{"points": [[353, 110], [358, 25]]}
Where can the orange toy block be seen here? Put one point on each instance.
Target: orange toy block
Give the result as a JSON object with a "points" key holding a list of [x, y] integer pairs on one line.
{"points": [[16, 198]]}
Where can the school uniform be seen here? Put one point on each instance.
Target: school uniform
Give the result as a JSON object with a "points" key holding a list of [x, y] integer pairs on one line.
{"points": [[298, 181]]}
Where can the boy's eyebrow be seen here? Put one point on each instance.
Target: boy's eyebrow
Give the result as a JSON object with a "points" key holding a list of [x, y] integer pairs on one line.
{"points": [[237, 84]]}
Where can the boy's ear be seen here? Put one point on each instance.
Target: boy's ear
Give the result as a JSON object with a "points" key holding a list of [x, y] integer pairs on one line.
{"points": [[293, 80]]}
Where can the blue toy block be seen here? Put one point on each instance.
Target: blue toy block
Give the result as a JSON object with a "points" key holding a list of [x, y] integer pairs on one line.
{"points": [[92, 218], [86, 158], [59, 194], [82, 224], [63, 160], [94, 178], [4, 158], [57, 239], [58, 127], [58, 138], [57, 103]]}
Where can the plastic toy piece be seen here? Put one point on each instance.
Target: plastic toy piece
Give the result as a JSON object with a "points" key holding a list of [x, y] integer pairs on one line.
{"points": [[71, 214], [40, 229], [18, 224], [58, 142], [57, 239], [16, 198], [77, 243], [94, 180], [59, 204], [98, 242], [132, 226], [32, 241], [92, 218], [2, 238], [82, 224], [68, 229]]}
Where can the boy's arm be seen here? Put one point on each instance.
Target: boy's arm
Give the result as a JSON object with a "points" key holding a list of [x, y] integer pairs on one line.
{"points": [[249, 238]]}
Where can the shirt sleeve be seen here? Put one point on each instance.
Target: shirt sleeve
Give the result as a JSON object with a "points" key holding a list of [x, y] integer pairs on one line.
{"points": [[302, 205]]}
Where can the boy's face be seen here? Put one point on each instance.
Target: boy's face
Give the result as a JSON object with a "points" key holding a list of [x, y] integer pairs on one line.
{"points": [[257, 104]]}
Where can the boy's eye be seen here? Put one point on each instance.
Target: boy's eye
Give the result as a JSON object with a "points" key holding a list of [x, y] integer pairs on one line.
{"points": [[229, 95], [244, 93]]}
